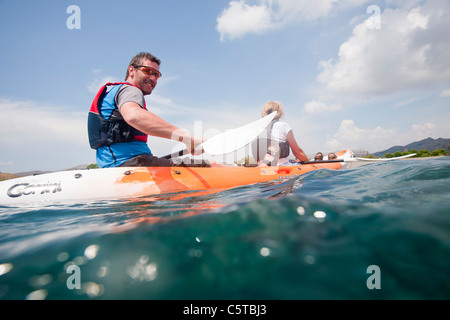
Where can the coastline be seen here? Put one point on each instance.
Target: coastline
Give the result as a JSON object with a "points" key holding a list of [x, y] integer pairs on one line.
{"points": [[7, 176]]}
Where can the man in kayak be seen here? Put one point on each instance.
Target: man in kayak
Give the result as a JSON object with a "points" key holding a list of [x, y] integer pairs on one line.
{"points": [[119, 122], [280, 140]]}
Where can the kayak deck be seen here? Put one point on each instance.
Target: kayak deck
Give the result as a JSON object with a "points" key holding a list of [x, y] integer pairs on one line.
{"points": [[128, 182]]}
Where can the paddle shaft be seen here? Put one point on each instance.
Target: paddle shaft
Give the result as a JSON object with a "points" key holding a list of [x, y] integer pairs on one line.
{"points": [[176, 154], [323, 161]]}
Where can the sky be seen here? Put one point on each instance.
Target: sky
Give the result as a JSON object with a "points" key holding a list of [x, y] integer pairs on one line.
{"points": [[350, 74]]}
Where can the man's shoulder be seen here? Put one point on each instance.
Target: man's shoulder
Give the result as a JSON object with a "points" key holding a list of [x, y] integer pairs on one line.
{"points": [[129, 93], [130, 88]]}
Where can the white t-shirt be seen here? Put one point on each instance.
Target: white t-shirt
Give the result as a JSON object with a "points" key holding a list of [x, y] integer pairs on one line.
{"points": [[280, 130]]}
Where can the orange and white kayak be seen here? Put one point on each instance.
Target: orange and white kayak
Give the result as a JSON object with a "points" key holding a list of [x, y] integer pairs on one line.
{"points": [[130, 182]]}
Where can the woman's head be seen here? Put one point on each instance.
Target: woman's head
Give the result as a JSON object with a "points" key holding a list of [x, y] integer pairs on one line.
{"points": [[272, 106]]}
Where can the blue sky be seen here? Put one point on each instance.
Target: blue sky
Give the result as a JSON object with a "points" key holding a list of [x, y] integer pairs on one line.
{"points": [[352, 74]]}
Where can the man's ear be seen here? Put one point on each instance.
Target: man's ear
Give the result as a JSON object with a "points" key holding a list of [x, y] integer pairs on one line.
{"points": [[131, 71]]}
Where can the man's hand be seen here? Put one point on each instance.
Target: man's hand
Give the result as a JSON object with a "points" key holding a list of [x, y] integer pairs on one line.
{"points": [[194, 145]]}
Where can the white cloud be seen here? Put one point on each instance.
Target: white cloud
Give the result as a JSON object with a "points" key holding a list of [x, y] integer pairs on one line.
{"points": [[241, 18], [165, 107], [314, 107], [99, 80], [422, 130], [155, 98], [295, 10], [404, 102], [39, 136], [410, 50], [352, 137], [445, 94], [30, 122]]}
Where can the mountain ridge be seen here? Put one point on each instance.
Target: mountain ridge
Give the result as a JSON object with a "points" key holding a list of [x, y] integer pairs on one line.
{"points": [[425, 144]]}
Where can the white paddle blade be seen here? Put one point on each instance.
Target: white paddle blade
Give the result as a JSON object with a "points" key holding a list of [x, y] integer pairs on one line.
{"points": [[387, 159], [234, 139]]}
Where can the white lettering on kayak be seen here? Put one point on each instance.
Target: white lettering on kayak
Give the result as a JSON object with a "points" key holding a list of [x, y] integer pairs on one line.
{"points": [[25, 189]]}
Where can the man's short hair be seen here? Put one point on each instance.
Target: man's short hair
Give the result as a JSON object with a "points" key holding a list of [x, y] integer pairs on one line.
{"points": [[138, 60]]}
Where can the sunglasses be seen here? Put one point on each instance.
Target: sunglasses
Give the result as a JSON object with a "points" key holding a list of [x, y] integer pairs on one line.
{"points": [[150, 71]]}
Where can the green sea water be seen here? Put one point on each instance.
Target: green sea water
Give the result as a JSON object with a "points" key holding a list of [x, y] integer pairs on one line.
{"points": [[379, 231]]}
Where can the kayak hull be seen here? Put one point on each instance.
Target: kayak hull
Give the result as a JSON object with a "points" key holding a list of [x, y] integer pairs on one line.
{"points": [[129, 182]]}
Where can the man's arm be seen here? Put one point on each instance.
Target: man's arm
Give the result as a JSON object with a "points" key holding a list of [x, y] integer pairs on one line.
{"points": [[149, 123]]}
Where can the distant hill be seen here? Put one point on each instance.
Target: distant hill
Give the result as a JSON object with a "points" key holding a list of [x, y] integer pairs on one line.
{"points": [[32, 173], [7, 176], [426, 144]]}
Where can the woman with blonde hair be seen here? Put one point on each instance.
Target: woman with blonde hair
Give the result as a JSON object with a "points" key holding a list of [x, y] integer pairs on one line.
{"points": [[280, 140]]}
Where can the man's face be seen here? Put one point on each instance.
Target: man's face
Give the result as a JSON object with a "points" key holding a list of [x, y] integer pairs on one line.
{"points": [[144, 78]]}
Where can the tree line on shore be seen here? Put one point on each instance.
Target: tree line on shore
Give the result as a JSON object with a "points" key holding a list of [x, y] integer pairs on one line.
{"points": [[419, 153]]}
